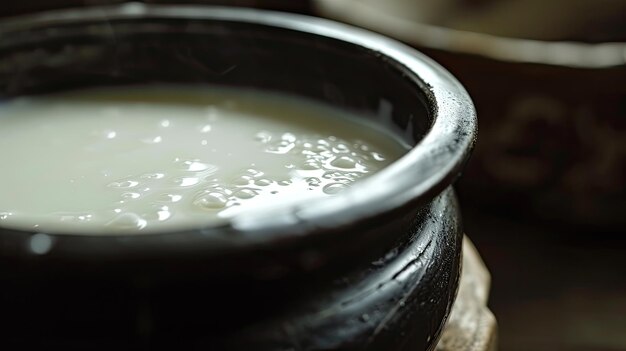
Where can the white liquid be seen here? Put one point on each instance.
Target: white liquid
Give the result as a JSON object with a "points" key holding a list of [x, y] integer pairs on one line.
{"points": [[120, 161]]}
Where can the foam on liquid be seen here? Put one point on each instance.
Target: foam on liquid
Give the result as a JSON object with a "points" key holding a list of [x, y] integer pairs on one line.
{"points": [[130, 160]]}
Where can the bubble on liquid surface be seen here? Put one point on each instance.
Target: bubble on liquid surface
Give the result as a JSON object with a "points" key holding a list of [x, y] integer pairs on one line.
{"points": [[262, 182], [169, 198], [344, 162], [263, 136], [311, 166], [242, 180], [67, 217], [123, 184], [211, 201], [128, 220], [196, 166], [130, 195], [245, 194], [333, 174], [313, 181], [340, 148], [154, 140], [157, 213], [153, 176], [377, 156], [164, 214], [334, 188], [254, 172], [186, 181], [289, 137]]}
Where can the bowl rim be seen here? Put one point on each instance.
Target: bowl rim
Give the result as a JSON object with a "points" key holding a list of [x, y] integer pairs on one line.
{"points": [[565, 53], [431, 166]]}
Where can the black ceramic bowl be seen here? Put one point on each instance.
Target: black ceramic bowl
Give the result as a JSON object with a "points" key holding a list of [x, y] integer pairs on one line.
{"points": [[374, 268]]}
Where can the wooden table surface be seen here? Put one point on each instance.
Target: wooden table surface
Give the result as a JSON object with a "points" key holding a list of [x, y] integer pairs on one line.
{"points": [[471, 326]]}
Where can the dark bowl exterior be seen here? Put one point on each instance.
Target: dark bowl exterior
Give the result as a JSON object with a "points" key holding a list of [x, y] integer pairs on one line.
{"points": [[370, 270], [395, 301]]}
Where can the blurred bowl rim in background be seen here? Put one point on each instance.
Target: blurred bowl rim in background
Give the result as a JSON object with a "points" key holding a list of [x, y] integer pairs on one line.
{"points": [[557, 53]]}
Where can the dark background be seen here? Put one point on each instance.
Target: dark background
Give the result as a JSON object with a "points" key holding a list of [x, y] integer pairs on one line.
{"points": [[559, 282]]}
